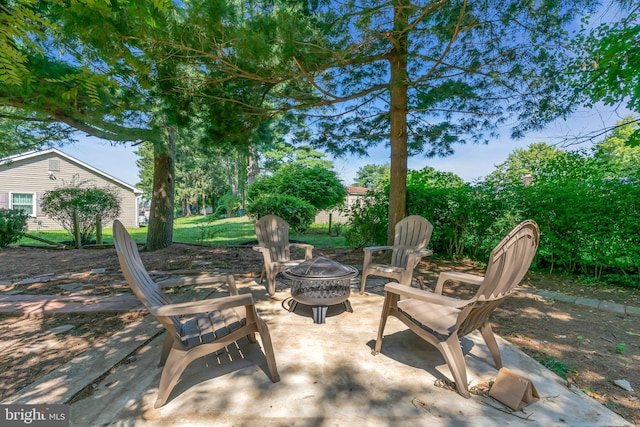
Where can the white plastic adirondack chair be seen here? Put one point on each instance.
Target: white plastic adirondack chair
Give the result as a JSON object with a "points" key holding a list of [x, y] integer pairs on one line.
{"points": [[273, 242], [412, 235], [442, 321], [196, 328]]}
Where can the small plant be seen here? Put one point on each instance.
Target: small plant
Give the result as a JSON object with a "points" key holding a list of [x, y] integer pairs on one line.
{"points": [[206, 231], [558, 366], [337, 229], [12, 226], [621, 347]]}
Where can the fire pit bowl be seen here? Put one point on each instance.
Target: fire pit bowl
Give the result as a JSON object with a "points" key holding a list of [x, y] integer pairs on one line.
{"points": [[320, 282]]}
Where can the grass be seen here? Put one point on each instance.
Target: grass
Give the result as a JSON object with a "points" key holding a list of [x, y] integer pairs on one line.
{"points": [[558, 366], [201, 230]]}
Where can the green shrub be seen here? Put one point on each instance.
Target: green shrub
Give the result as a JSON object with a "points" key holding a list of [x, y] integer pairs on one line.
{"points": [[368, 220], [228, 205], [298, 213], [81, 208], [12, 226], [318, 186]]}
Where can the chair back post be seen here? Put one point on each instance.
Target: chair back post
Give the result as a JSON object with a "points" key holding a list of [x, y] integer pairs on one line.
{"points": [[138, 278]]}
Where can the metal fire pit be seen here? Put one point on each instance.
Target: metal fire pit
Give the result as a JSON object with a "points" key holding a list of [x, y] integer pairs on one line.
{"points": [[320, 282]]}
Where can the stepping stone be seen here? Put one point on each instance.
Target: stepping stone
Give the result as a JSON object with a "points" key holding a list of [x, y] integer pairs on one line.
{"points": [[71, 287], [61, 329], [39, 279]]}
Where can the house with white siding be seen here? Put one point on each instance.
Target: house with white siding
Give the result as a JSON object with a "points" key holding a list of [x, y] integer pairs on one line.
{"points": [[25, 177]]}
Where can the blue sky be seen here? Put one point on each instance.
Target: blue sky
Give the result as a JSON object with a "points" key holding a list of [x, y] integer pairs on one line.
{"points": [[469, 162]]}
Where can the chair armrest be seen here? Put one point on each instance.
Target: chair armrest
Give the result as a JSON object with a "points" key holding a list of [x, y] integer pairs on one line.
{"points": [[456, 275], [191, 281], [423, 252], [204, 306], [423, 295], [308, 249], [377, 248]]}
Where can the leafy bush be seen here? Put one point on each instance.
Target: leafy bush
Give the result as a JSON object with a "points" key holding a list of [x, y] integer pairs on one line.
{"points": [[298, 213], [368, 220], [228, 205], [12, 226], [315, 185], [79, 208]]}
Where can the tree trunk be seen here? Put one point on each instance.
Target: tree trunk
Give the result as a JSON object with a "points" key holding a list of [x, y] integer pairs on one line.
{"points": [[76, 230], [98, 230], [160, 230], [398, 118]]}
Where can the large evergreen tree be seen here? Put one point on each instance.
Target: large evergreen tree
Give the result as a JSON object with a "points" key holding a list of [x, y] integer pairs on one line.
{"points": [[422, 76]]}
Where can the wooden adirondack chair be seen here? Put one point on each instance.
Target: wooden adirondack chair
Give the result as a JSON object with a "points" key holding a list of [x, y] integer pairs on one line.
{"points": [[442, 321], [194, 329], [412, 235], [273, 242]]}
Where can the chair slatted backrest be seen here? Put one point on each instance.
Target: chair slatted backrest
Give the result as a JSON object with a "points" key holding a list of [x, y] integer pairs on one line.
{"points": [[273, 233], [137, 276], [411, 233], [509, 262]]}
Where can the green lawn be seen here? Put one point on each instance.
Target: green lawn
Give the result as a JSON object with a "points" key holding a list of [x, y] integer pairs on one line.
{"points": [[202, 230]]}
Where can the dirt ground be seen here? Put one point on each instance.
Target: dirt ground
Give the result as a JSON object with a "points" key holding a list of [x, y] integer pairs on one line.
{"points": [[593, 348]]}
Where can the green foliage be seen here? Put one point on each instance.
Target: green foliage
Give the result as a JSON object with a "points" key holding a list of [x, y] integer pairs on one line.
{"points": [[621, 347], [586, 204], [444, 199], [317, 186], [13, 223], [22, 131], [372, 176], [282, 153], [558, 366], [368, 220], [78, 208], [228, 205], [618, 155], [296, 212], [607, 66], [337, 229]]}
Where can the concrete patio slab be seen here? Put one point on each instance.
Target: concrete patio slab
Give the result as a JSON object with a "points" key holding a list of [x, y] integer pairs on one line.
{"points": [[330, 378]]}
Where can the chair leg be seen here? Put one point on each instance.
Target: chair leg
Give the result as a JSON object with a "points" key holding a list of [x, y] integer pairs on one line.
{"points": [[452, 353], [252, 338], [166, 348], [271, 282], [265, 337], [175, 364], [492, 344], [363, 282], [386, 307]]}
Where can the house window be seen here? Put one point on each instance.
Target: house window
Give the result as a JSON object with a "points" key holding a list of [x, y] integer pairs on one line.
{"points": [[24, 201]]}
